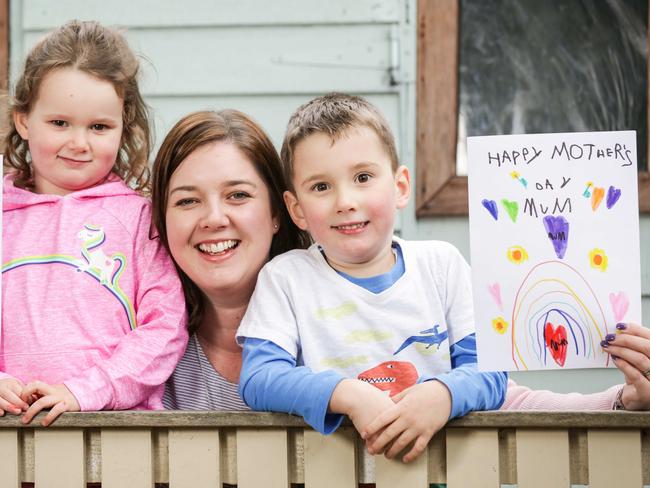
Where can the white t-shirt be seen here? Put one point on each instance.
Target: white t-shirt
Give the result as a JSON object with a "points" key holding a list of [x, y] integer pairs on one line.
{"points": [[391, 339]]}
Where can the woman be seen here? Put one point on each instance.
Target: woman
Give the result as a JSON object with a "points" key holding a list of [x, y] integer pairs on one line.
{"points": [[217, 195], [217, 198]]}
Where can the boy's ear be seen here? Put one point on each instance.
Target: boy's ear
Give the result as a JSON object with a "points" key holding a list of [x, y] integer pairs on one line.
{"points": [[402, 187], [20, 121], [295, 211]]}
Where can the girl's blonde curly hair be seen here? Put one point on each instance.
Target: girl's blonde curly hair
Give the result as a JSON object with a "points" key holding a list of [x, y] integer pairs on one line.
{"points": [[101, 52]]}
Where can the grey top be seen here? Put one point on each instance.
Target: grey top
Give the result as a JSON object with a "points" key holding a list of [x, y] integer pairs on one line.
{"points": [[196, 385]]}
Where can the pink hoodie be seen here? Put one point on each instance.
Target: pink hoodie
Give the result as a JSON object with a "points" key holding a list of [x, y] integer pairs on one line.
{"points": [[89, 299]]}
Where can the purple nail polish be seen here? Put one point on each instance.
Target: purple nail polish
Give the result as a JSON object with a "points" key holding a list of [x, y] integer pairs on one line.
{"points": [[610, 337], [621, 326], [604, 344]]}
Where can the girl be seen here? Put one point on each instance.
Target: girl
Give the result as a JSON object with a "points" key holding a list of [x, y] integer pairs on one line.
{"points": [[92, 309]]}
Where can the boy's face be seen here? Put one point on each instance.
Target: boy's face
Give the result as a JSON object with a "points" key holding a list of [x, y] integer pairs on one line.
{"points": [[346, 196]]}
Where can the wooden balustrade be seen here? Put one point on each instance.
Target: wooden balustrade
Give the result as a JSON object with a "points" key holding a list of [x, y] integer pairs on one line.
{"points": [[208, 449]]}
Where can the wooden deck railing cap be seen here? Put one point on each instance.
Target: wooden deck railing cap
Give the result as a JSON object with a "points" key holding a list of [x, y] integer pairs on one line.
{"points": [[533, 419]]}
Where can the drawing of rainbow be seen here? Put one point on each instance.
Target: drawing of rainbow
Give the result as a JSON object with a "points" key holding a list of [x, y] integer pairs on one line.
{"points": [[555, 297]]}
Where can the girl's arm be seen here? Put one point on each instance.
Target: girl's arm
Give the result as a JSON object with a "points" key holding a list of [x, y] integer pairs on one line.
{"points": [[271, 381], [523, 398], [146, 356]]}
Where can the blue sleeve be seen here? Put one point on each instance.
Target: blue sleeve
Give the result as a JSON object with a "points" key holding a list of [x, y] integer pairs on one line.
{"points": [[271, 381], [470, 389]]}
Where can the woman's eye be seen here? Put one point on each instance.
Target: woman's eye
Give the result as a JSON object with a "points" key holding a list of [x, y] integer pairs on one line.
{"points": [[239, 195], [364, 177], [320, 187], [184, 202]]}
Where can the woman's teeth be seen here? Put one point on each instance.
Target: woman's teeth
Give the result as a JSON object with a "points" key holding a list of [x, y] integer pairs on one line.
{"points": [[217, 247]]}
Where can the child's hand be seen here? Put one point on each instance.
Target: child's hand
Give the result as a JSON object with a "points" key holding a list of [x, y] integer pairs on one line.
{"points": [[419, 412], [10, 401], [56, 397], [360, 401]]}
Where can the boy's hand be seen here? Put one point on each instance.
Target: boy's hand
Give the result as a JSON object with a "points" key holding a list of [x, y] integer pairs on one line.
{"points": [[10, 401], [360, 401], [419, 412], [56, 397]]}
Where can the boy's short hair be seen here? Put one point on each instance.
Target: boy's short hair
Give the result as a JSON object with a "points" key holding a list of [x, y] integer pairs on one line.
{"points": [[334, 114]]}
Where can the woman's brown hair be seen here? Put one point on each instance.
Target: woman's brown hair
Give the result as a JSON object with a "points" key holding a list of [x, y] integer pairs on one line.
{"points": [[101, 52], [196, 130]]}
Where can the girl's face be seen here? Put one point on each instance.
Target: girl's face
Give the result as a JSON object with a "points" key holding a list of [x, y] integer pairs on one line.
{"points": [[219, 221], [74, 130]]}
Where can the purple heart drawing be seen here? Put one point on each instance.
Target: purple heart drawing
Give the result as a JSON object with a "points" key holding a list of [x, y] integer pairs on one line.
{"points": [[557, 230], [613, 194], [491, 206]]}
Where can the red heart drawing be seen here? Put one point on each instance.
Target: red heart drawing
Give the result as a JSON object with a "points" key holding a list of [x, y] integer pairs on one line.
{"points": [[556, 342]]}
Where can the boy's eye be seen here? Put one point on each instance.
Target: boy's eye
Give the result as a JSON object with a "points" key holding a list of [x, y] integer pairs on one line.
{"points": [[363, 177], [59, 123], [320, 187]]}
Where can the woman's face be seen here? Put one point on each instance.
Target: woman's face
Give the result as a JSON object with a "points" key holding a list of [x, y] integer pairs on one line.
{"points": [[219, 221]]}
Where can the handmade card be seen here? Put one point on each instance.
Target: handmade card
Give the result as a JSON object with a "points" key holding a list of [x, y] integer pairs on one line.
{"points": [[554, 234]]}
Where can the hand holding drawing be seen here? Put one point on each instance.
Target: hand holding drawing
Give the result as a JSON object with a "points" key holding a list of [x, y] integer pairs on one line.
{"points": [[631, 348], [10, 401], [419, 412]]}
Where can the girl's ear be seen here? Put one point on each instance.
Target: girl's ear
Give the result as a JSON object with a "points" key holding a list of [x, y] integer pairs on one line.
{"points": [[295, 211], [20, 121], [402, 187]]}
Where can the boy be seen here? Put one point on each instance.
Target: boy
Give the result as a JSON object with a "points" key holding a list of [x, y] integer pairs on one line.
{"points": [[362, 323]]}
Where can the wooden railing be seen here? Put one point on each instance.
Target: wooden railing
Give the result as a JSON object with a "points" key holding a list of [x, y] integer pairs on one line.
{"points": [[208, 449]]}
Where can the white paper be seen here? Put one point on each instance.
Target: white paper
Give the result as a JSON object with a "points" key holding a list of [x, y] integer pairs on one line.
{"points": [[554, 234]]}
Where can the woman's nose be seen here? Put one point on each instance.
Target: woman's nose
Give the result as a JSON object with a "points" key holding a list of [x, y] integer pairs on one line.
{"points": [[215, 216]]}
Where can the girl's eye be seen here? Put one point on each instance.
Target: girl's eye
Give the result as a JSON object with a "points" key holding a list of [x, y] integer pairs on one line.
{"points": [[99, 127], [320, 187], [363, 177], [59, 123]]}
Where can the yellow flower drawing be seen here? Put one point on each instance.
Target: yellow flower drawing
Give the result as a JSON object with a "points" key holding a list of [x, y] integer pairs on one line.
{"points": [[517, 254], [598, 259], [500, 325]]}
